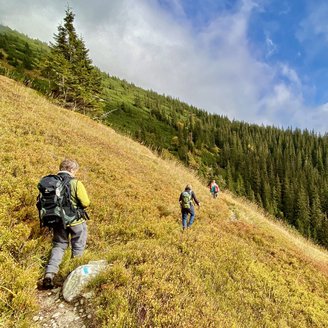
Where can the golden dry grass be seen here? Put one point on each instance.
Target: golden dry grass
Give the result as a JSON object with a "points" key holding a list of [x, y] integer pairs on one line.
{"points": [[248, 272], [252, 214]]}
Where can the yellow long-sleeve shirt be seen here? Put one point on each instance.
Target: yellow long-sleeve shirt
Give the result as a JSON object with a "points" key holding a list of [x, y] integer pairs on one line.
{"points": [[79, 196]]}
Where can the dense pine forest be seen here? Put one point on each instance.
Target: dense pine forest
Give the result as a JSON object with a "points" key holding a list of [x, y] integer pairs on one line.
{"points": [[284, 171]]}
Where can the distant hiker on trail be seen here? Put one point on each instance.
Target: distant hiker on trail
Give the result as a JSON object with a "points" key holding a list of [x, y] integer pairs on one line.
{"points": [[186, 199], [61, 203], [214, 189]]}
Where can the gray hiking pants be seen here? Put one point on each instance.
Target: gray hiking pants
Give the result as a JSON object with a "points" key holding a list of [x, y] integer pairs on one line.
{"points": [[77, 235]]}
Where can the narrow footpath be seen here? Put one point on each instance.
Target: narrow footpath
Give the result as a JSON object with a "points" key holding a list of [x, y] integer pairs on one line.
{"points": [[55, 312]]}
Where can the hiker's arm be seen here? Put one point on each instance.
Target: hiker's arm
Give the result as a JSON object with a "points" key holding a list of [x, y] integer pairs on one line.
{"points": [[195, 199], [82, 195]]}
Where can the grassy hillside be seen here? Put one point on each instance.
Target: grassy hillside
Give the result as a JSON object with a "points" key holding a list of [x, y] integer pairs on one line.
{"points": [[19, 50], [283, 171], [234, 268]]}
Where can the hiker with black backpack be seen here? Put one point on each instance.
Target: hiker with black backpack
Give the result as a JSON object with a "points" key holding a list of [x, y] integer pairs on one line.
{"points": [[62, 202], [186, 200]]}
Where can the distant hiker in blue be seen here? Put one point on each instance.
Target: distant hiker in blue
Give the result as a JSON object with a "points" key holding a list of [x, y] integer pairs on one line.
{"points": [[186, 199]]}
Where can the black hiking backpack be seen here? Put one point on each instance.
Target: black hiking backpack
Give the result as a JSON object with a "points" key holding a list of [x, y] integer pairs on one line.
{"points": [[54, 201]]}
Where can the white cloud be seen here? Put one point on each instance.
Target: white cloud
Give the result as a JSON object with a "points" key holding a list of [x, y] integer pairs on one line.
{"points": [[271, 47], [324, 108], [313, 30], [36, 19], [314, 24]]}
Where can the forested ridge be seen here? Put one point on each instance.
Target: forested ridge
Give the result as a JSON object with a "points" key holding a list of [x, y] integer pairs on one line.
{"points": [[284, 171]]}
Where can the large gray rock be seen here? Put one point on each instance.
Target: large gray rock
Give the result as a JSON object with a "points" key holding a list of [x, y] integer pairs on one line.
{"points": [[78, 278]]}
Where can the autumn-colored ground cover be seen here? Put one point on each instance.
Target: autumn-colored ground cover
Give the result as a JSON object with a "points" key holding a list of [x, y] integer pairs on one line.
{"points": [[234, 268]]}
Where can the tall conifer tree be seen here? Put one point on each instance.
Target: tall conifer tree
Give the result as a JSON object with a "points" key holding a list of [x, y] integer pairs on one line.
{"points": [[74, 79]]}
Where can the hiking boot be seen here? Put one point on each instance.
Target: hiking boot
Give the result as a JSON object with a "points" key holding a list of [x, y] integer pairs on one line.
{"points": [[48, 280]]}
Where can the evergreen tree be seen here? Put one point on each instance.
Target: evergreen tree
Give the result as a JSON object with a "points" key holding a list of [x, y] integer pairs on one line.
{"points": [[302, 213], [316, 217], [229, 178], [240, 186], [28, 57], [74, 79]]}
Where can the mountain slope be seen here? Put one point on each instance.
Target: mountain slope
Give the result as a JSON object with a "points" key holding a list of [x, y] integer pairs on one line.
{"points": [[284, 171], [234, 268]]}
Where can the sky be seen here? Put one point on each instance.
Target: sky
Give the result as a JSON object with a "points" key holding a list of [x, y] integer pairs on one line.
{"points": [[257, 61]]}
